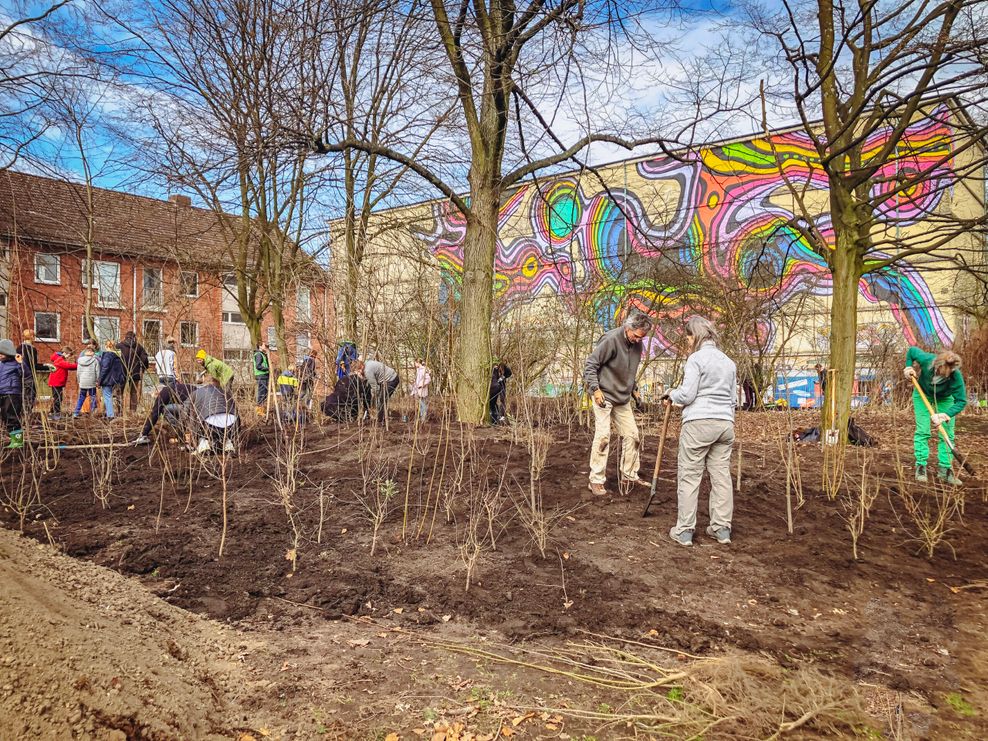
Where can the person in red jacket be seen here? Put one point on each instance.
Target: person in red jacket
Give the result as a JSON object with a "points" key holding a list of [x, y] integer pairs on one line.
{"points": [[62, 361]]}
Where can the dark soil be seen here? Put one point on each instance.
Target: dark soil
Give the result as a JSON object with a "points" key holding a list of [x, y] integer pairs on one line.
{"points": [[893, 619]]}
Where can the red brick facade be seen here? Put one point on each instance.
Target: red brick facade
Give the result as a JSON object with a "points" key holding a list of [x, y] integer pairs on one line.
{"points": [[158, 271]]}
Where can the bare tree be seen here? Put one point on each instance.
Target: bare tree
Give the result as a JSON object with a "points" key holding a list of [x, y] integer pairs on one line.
{"points": [[885, 96], [503, 61]]}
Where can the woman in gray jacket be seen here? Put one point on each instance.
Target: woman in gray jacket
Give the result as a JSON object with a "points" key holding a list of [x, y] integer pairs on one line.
{"points": [[707, 435]]}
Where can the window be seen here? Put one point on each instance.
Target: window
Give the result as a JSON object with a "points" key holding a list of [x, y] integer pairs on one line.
{"points": [[230, 283], [105, 278], [303, 342], [189, 332], [272, 338], [304, 308], [106, 328], [3, 300], [46, 326], [151, 333], [233, 317], [188, 283], [47, 269], [152, 288]]}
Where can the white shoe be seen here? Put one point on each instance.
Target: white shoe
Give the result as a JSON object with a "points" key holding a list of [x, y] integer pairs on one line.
{"points": [[204, 446], [142, 440], [229, 447]]}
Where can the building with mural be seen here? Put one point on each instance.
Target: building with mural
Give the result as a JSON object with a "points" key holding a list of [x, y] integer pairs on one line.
{"points": [[722, 230]]}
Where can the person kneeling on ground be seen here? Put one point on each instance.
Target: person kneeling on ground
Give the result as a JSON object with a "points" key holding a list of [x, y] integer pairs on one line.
{"points": [[940, 378], [349, 397], [707, 433], [609, 376], [11, 392], [211, 415], [170, 398]]}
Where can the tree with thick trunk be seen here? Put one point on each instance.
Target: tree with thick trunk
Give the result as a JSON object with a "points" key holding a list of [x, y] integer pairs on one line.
{"points": [[864, 77]]}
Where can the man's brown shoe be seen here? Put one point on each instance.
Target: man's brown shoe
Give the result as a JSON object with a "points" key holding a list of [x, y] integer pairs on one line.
{"points": [[598, 490]]}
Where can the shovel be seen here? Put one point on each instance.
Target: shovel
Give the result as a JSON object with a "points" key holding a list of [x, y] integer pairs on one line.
{"points": [[658, 459], [958, 455]]}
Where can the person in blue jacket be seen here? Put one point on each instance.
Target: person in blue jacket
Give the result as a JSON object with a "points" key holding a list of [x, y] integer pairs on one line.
{"points": [[112, 375], [11, 392]]}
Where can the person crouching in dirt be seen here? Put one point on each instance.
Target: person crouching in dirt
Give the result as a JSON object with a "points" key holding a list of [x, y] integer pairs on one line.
{"points": [[707, 433], [217, 370], [11, 392], [940, 378], [169, 398], [350, 395], [609, 376], [382, 381], [210, 414]]}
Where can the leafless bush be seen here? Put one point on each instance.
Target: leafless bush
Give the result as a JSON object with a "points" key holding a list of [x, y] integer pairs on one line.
{"points": [[857, 501], [539, 442]]}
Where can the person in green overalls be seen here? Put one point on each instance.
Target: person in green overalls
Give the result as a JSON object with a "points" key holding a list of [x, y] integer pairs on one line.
{"points": [[940, 378]]}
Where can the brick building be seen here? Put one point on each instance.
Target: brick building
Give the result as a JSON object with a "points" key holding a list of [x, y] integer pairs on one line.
{"points": [[160, 268]]}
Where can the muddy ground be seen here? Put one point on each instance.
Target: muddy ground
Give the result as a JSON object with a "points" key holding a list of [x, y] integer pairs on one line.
{"points": [[300, 633]]}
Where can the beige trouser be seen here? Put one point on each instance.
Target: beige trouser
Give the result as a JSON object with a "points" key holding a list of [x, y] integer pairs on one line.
{"points": [[705, 443], [624, 420]]}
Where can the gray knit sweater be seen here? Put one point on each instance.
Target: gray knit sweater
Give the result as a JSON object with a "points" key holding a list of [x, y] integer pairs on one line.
{"points": [[708, 387], [612, 366]]}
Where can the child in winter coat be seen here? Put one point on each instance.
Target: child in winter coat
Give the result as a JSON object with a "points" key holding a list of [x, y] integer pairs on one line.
{"points": [[112, 375], [88, 369], [62, 361], [11, 391]]}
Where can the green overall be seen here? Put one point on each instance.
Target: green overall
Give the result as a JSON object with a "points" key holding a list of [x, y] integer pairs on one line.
{"points": [[946, 396]]}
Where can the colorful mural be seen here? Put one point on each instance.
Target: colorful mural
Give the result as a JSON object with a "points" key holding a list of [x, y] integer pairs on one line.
{"points": [[716, 217]]}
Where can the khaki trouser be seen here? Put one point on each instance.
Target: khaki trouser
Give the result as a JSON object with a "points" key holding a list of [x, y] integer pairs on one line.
{"points": [[705, 443], [624, 420]]}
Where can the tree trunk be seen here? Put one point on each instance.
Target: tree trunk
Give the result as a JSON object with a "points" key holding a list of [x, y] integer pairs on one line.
{"points": [[479, 248], [846, 266], [254, 327]]}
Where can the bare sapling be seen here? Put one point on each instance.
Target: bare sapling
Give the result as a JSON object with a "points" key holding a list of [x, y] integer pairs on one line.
{"points": [[378, 499], [539, 442], [857, 502], [103, 462], [21, 491], [288, 479], [471, 539]]}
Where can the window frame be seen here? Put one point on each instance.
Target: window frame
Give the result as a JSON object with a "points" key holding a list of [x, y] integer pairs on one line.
{"points": [[98, 280], [58, 326], [96, 318], [181, 333], [160, 303], [306, 316], [181, 283], [58, 269]]}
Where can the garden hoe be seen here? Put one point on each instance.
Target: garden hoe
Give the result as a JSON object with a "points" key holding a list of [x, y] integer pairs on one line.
{"points": [[958, 455], [658, 459]]}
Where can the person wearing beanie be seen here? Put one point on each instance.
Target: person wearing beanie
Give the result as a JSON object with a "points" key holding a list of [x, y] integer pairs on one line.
{"points": [[217, 369]]}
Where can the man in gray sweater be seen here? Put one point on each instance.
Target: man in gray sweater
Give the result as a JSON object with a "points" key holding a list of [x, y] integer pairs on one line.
{"points": [[609, 376], [382, 380], [707, 434]]}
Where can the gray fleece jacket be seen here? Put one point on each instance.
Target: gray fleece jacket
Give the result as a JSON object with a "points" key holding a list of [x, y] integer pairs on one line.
{"points": [[378, 375], [613, 366], [708, 387], [88, 369]]}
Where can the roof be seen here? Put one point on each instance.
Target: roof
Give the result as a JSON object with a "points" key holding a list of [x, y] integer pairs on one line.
{"points": [[53, 212]]}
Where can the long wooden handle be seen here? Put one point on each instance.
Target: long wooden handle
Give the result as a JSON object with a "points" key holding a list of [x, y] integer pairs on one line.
{"points": [[658, 459], [932, 411]]}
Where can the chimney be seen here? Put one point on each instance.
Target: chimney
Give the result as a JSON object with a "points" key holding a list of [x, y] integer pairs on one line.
{"points": [[179, 200]]}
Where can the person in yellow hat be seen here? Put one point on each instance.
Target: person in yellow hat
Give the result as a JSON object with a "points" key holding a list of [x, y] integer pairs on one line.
{"points": [[217, 369]]}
